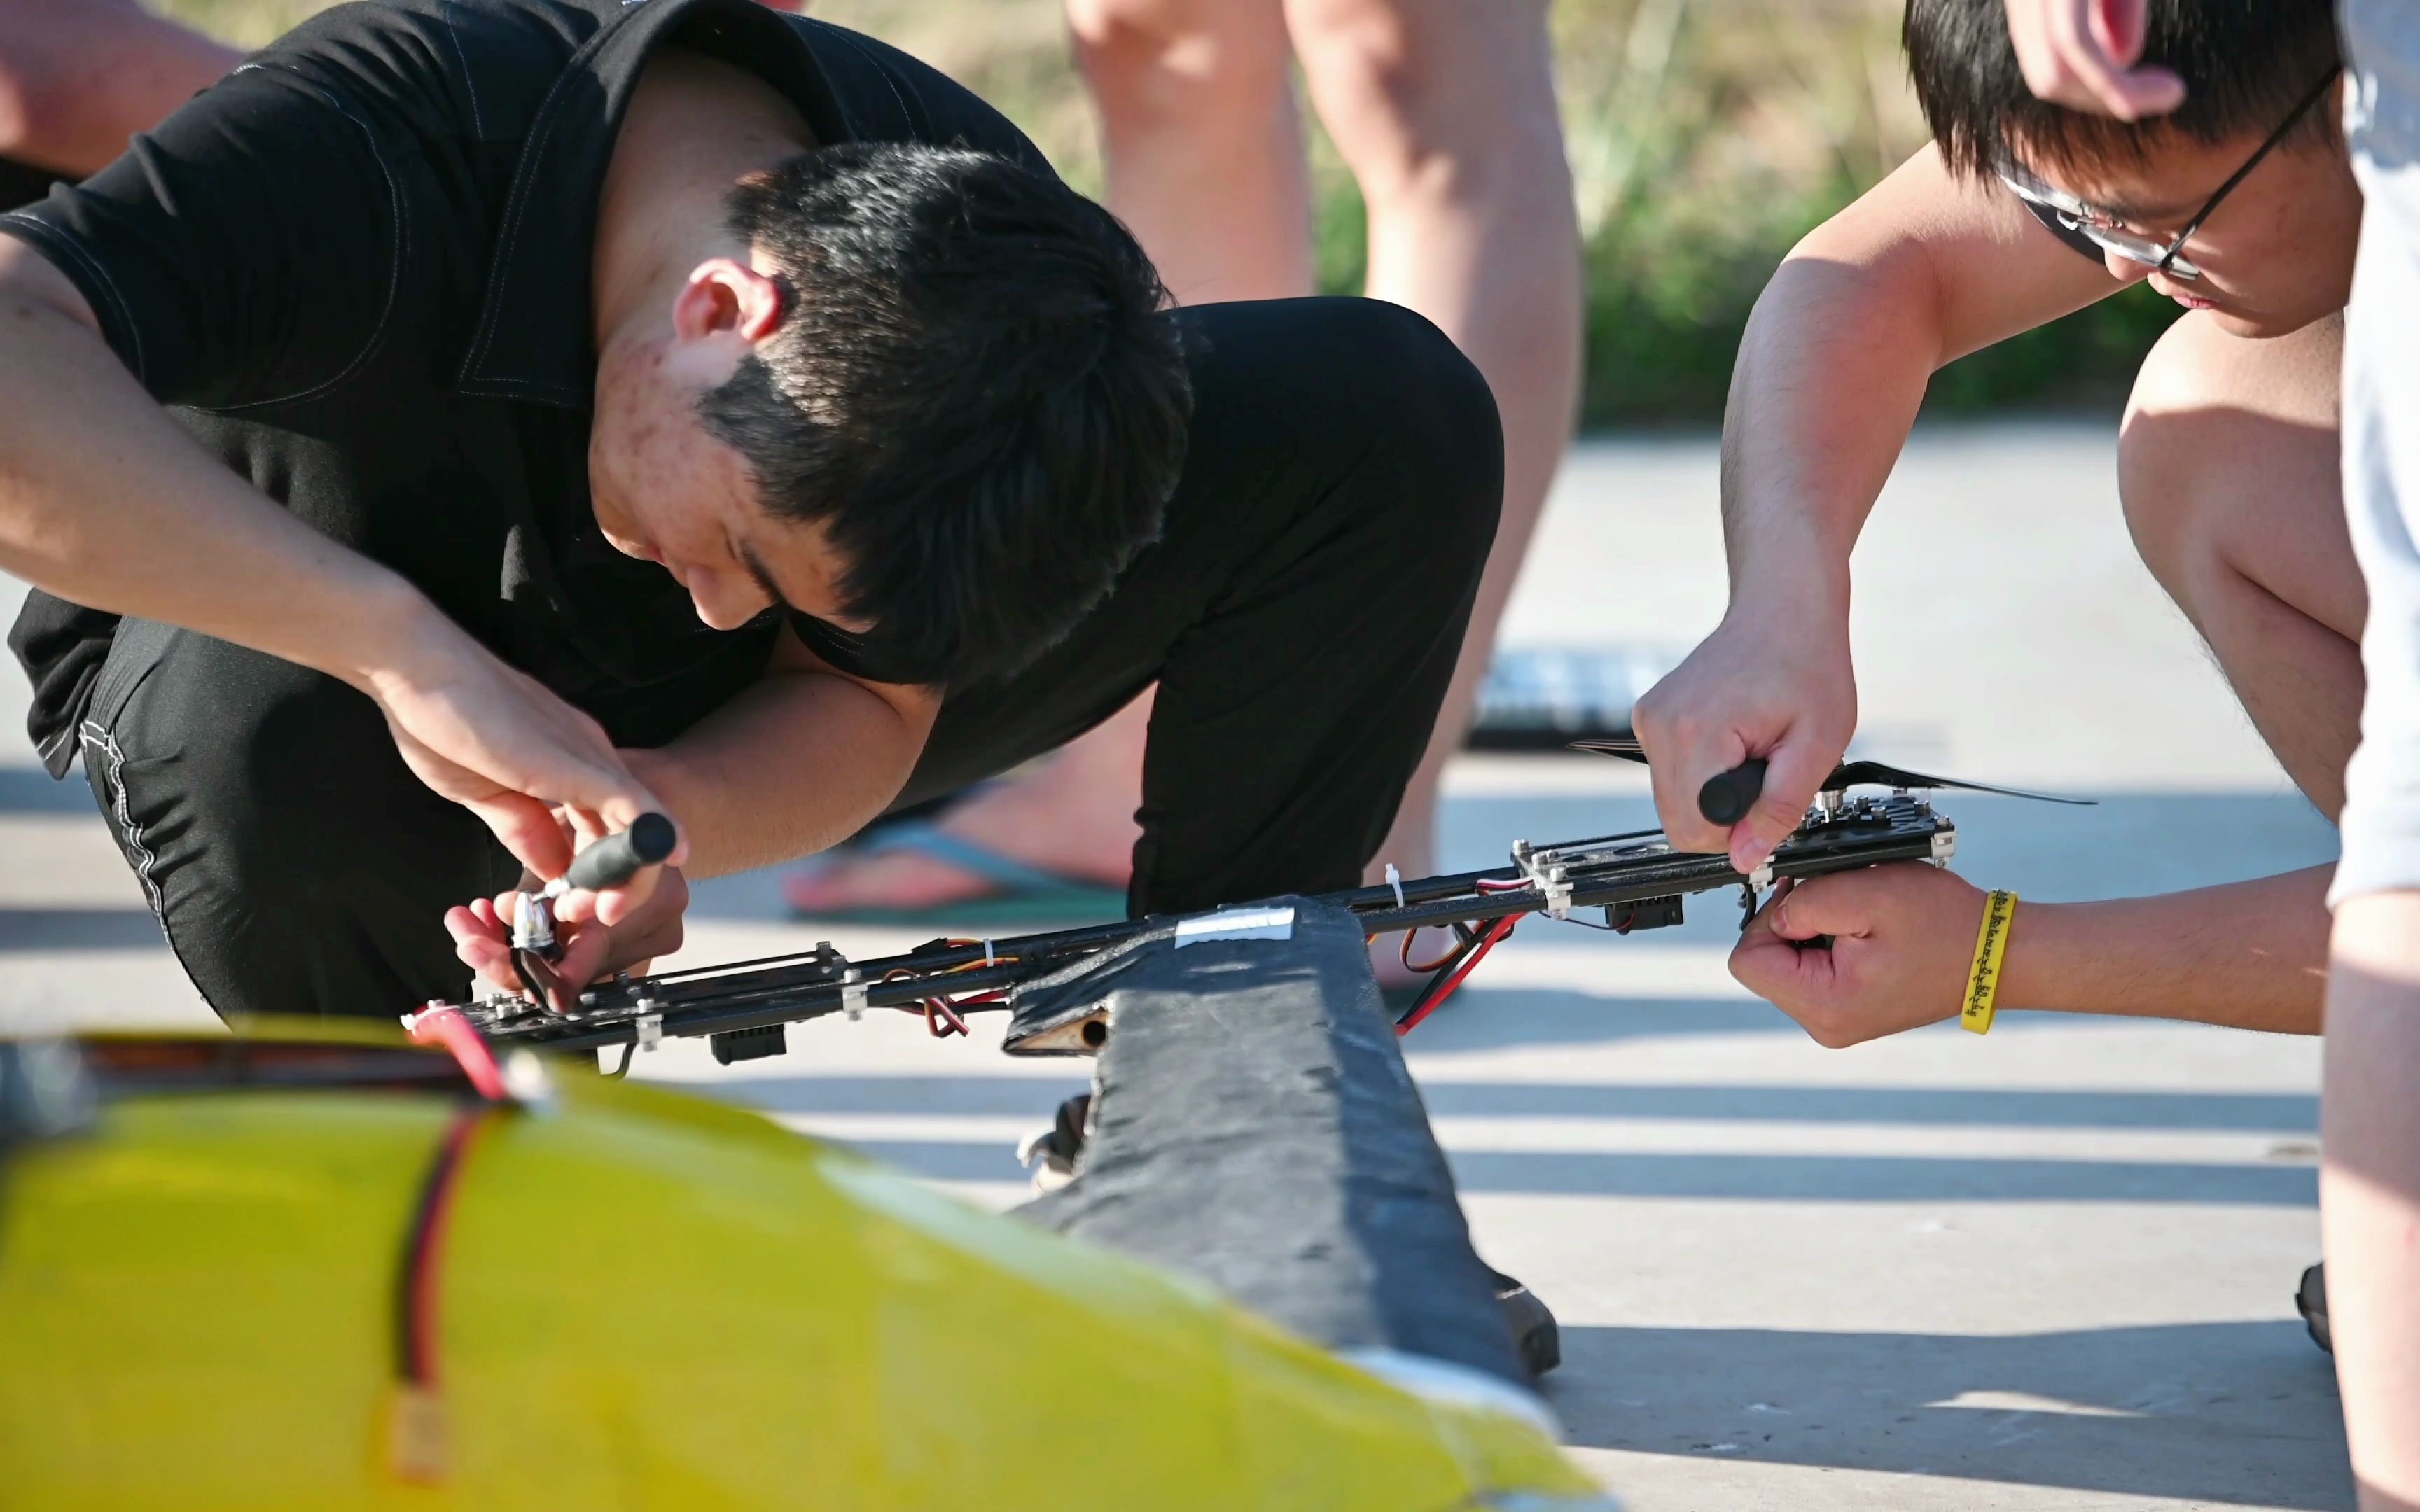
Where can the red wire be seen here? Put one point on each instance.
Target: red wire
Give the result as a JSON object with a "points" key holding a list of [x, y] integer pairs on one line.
{"points": [[444, 1027], [447, 1026], [1437, 996]]}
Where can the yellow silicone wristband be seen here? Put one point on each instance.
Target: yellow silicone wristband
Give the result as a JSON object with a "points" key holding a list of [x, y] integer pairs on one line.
{"points": [[1991, 948]]}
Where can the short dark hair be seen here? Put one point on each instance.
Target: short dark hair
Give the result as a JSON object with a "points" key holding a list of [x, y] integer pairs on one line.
{"points": [[976, 391], [2245, 64]]}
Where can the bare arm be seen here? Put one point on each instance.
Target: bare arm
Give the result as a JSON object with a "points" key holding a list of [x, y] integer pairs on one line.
{"points": [[797, 763], [2249, 955], [104, 501], [1920, 270], [78, 77]]}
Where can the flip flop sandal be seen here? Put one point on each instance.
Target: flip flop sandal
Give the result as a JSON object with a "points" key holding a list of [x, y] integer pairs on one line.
{"points": [[1020, 894]]}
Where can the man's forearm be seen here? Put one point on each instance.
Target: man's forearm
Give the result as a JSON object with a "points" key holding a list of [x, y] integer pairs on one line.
{"points": [[795, 765], [105, 502], [2250, 955]]}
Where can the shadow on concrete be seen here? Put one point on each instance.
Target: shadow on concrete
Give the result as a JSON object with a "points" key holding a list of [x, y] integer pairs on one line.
{"points": [[1880, 1178], [79, 929], [2239, 1414], [1750, 1178], [2246, 1112], [1494, 1018]]}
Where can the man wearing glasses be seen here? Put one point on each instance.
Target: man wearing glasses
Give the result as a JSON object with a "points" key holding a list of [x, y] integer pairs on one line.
{"points": [[2241, 207]]}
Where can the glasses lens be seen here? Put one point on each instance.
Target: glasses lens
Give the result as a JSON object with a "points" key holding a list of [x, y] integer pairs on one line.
{"points": [[2137, 249], [2077, 216]]}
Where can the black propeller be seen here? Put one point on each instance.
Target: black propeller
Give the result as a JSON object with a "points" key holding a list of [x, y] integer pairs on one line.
{"points": [[1728, 795]]}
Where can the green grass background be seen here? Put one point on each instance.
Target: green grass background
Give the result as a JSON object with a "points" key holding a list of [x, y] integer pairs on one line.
{"points": [[1706, 136]]}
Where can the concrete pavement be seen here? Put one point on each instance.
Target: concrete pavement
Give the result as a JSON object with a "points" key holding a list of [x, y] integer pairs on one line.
{"points": [[2047, 1270]]}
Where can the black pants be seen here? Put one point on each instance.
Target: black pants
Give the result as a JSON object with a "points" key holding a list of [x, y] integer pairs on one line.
{"points": [[1302, 614]]}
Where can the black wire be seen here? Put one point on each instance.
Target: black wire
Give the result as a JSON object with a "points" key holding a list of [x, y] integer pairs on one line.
{"points": [[1605, 840], [1441, 975]]}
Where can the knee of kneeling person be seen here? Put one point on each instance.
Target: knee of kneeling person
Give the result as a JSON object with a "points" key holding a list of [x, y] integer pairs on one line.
{"points": [[1176, 57], [2219, 428], [1430, 411], [2178, 448], [1457, 98], [289, 780]]}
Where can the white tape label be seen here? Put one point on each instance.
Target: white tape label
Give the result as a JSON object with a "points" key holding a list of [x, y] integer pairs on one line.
{"points": [[1236, 924]]}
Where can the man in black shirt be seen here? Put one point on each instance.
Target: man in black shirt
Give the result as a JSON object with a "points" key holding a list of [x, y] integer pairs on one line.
{"points": [[677, 405]]}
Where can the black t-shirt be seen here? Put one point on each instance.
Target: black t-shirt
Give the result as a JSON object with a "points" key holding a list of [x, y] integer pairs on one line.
{"points": [[21, 183], [357, 270]]}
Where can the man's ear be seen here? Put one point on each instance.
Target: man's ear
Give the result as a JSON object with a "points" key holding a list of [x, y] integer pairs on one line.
{"points": [[724, 296]]}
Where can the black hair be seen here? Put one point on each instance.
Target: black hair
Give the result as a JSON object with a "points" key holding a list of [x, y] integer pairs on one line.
{"points": [[975, 391], [2245, 64]]}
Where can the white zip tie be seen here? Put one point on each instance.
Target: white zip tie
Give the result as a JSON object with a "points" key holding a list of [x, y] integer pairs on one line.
{"points": [[1395, 880], [989, 959]]}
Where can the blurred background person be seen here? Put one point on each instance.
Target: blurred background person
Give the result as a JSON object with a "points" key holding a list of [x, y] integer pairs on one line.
{"points": [[1444, 112], [78, 77]]}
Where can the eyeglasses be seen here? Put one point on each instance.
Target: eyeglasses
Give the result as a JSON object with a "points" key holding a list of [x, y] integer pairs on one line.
{"points": [[2106, 231]]}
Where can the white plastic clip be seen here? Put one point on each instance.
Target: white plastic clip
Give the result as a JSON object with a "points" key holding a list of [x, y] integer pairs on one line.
{"points": [[852, 994], [990, 957], [526, 1079], [1395, 880], [1547, 872]]}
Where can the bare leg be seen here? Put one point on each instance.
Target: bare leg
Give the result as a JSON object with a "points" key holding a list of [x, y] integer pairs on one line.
{"points": [[2230, 475], [1445, 112], [1202, 141]]}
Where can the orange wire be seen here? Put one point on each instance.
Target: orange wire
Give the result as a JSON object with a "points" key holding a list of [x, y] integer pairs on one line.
{"points": [[1437, 964]]}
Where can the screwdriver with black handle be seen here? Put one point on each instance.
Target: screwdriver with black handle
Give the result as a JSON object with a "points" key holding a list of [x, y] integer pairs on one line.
{"points": [[607, 863]]}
